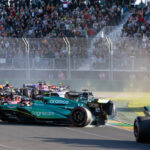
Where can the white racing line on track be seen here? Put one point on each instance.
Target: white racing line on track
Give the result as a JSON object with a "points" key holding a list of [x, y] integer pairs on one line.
{"points": [[92, 134], [8, 147], [92, 126]]}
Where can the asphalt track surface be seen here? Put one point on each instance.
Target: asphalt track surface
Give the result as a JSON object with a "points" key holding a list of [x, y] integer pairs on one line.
{"points": [[48, 137]]}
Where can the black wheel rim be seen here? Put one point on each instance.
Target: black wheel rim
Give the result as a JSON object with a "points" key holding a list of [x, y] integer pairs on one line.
{"points": [[78, 116]]}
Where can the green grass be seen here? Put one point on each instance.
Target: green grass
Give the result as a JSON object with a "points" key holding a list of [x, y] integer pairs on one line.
{"points": [[134, 99]]}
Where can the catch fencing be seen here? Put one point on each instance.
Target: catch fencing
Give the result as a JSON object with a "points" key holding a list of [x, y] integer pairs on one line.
{"points": [[101, 57]]}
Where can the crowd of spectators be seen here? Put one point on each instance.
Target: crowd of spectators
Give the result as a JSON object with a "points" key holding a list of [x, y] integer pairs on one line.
{"points": [[138, 24], [43, 20], [128, 53], [43, 48], [12, 48], [56, 18], [132, 50]]}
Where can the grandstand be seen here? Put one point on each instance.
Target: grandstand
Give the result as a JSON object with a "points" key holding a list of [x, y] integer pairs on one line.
{"points": [[42, 18], [32, 44]]}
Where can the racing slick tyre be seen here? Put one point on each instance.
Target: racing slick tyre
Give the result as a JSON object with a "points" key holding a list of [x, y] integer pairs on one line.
{"points": [[109, 108], [80, 116], [114, 112], [142, 129], [26, 93], [34, 93]]}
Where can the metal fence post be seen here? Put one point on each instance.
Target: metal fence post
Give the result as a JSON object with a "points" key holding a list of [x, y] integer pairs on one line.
{"points": [[69, 62], [28, 57], [110, 58]]}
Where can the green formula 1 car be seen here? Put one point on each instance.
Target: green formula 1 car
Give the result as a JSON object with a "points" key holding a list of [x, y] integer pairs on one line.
{"points": [[79, 112], [142, 126]]}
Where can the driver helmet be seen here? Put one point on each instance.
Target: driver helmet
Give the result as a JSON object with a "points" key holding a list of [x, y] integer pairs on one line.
{"points": [[7, 84], [60, 84], [26, 103], [40, 84]]}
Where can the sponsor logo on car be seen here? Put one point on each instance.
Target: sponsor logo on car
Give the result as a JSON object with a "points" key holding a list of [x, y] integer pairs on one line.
{"points": [[39, 104], [37, 113], [58, 102], [93, 105]]}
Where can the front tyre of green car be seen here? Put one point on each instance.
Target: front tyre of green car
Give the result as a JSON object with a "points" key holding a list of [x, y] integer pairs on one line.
{"points": [[80, 116]]}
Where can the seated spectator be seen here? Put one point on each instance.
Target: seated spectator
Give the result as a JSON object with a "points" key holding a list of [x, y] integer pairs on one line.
{"points": [[138, 24], [49, 18]]}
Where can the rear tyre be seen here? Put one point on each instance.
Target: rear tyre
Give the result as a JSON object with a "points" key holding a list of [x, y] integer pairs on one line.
{"points": [[109, 108], [80, 116], [26, 93], [114, 112], [34, 93], [142, 129]]}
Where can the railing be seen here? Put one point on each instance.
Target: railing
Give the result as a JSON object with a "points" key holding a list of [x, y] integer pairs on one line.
{"points": [[48, 57], [124, 64]]}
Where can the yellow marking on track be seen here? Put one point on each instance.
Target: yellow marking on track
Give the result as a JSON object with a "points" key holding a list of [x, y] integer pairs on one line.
{"points": [[128, 128], [113, 121]]}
